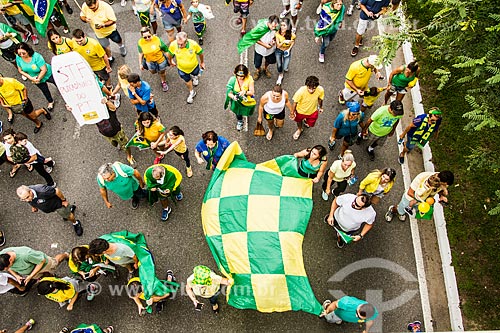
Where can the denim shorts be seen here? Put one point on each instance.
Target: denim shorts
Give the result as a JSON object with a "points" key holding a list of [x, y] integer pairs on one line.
{"points": [[187, 76], [157, 67], [169, 25], [114, 36]]}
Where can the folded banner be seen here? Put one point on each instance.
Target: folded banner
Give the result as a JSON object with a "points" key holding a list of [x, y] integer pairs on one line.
{"points": [[79, 88], [254, 219]]}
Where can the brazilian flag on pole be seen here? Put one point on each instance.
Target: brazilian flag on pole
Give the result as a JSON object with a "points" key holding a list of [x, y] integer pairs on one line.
{"points": [[254, 218], [43, 10], [151, 285]]}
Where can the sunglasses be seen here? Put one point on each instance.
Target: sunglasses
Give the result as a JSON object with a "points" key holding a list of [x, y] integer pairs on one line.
{"points": [[147, 36]]}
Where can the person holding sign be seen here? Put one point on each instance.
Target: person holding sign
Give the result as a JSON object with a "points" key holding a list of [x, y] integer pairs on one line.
{"points": [[353, 215]]}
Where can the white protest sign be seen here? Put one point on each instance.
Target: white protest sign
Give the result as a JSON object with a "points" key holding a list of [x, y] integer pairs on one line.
{"points": [[78, 86]]}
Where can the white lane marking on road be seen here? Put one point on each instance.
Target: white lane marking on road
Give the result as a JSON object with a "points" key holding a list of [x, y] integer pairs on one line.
{"points": [[417, 246]]}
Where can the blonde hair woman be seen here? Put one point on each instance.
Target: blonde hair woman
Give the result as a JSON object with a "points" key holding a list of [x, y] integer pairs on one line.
{"points": [[339, 173]]}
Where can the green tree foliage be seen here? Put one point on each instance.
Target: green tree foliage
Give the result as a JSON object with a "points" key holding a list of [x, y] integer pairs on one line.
{"points": [[463, 36]]}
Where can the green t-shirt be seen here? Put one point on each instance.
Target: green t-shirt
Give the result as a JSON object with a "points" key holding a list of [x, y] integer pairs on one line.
{"points": [[383, 121], [26, 259], [197, 15], [124, 187], [347, 307], [34, 66]]}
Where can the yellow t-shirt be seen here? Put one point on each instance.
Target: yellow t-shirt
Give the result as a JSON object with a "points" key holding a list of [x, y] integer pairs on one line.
{"points": [[359, 75], [186, 58], [181, 147], [103, 14], [66, 46], [307, 103], [152, 49], [11, 91], [370, 100], [12, 10], [281, 38], [93, 52], [61, 296], [153, 132]]}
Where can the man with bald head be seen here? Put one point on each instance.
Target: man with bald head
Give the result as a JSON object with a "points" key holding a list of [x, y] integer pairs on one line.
{"points": [[49, 199]]}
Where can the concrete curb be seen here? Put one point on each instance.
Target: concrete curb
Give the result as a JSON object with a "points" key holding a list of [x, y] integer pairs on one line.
{"points": [[439, 220]]}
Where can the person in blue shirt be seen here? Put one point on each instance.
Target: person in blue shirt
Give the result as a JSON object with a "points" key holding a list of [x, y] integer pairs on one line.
{"points": [[210, 149], [140, 95], [346, 126], [370, 10], [349, 309]]}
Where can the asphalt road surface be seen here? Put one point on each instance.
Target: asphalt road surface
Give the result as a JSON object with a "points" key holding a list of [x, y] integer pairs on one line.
{"points": [[380, 268]]}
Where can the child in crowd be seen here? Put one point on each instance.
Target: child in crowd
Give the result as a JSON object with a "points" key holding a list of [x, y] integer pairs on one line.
{"points": [[199, 13], [174, 140], [370, 97]]}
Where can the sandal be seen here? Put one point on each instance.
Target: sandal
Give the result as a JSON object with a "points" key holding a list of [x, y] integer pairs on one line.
{"points": [[29, 167], [50, 106], [269, 135], [37, 129], [13, 172], [11, 120], [216, 310], [297, 134]]}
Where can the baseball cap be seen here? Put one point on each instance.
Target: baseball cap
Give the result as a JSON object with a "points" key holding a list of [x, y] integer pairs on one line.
{"points": [[374, 61], [353, 106]]}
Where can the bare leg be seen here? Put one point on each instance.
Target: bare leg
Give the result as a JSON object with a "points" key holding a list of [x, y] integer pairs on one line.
{"points": [[358, 39]]}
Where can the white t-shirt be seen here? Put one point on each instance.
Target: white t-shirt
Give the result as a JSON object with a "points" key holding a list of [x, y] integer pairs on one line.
{"points": [[340, 174], [32, 150], [350, 219], [267, 38], [142, 5], [5, 286]]}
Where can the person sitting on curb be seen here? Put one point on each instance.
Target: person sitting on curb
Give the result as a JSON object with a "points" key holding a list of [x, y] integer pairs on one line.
{"points": [[349, 309]]}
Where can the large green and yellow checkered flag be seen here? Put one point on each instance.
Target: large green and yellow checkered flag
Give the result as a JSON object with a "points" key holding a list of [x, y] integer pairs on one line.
{"points": [[254, 218]]}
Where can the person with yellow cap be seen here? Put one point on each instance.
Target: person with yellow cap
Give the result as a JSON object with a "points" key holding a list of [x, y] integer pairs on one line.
{"points": [[205, 283]]}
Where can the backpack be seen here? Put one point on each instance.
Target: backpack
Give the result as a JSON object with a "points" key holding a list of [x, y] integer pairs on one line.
{"points": [[19, 154], [118, 170]]}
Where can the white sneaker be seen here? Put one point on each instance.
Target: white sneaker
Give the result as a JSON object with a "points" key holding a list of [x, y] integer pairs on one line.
{"points": [[324, 195], [24, 77], [349, 10], [117, 100], [278, 81], [123, 3], [135, 11], [239, 125], [195, 81], [321, 58], [190, 98], [294, 30], [284, 13]]}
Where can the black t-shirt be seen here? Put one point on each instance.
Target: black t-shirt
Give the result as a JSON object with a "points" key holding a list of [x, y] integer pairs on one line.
{"points": [[46, 199], [109, 127]]}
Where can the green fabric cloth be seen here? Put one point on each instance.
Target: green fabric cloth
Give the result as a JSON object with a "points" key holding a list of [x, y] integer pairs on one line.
{"points": [[7, 29], [254, 219], [171, 182], [383, 121], [87, 328], [254, 35], [26, 259], [329, 20], [124, 187], [236, 106], [150, 283]]}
